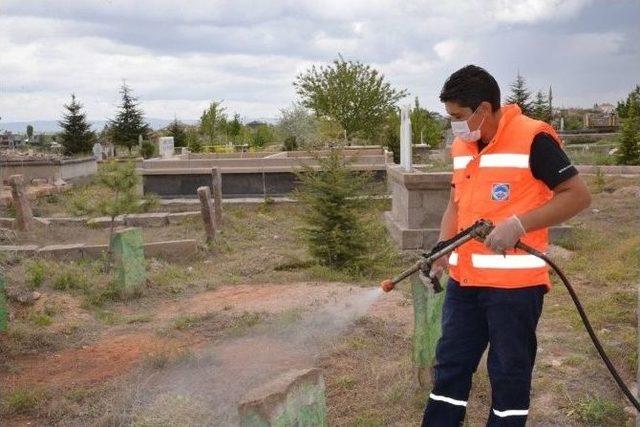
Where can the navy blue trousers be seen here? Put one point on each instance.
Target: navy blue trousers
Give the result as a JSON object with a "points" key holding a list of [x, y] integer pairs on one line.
{"points": [[472, 318]]}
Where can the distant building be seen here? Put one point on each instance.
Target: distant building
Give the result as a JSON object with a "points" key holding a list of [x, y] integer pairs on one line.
{"points": [[603, 116], [255, 123], [10, 139]]}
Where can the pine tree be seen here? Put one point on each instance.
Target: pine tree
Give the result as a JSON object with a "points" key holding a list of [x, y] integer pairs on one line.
{"points": [[234, 127], [520, 95], [623, 106], [540, 108], [76, 136], [629, 138], [129, 123], [177, 131], [333, 231]]}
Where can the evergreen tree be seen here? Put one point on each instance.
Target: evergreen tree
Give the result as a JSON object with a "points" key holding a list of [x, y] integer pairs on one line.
{"points": [[333, 230], [520, 95], [177, 131], [234, 127], [623, 106], [540, 108], [129, 123], [629, 138], [76, 136], [29, 132]]}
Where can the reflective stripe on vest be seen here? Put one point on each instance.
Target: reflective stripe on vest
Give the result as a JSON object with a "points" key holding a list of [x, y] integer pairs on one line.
{"points": [[453, 258], [460, 162], [520, 161], [506, 261]]}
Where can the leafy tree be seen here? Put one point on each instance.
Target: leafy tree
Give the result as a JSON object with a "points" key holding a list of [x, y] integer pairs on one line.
{"points": [[212, 120], [424, 128], [129, 122], [350, 93], [177, 131], [297, 122], [540, 108], [76, 136], [520, 95], [29, 132], [629, 138], [391, 134], [333, 231], [623, 106]]}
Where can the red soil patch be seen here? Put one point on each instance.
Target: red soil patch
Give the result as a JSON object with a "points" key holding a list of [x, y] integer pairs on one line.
{"points": [[89, 365]]}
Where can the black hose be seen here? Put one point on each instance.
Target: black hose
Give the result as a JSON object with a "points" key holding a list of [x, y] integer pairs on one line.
{"points": [[585, 321]]}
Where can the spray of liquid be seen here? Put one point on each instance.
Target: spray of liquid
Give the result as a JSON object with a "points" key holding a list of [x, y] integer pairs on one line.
{"points": [[209, 389]]}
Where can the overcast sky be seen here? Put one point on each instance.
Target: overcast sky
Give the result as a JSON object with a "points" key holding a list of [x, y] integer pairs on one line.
{"points": [[179, 55]]}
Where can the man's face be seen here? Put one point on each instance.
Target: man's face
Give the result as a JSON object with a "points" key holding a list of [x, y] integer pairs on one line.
{"points": [[457, 112]]}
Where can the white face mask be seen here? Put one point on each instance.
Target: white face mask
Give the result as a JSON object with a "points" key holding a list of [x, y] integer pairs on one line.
{"points": [[460, 129]]}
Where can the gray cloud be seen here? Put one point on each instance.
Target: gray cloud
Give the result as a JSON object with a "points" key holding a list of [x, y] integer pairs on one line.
{"points": [[180, 55]]}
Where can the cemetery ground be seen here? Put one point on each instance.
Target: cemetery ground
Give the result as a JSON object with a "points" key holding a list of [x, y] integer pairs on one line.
{"points": [[79, 355]]}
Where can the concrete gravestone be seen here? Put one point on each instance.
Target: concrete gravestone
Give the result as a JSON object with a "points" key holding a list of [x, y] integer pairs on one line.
{"points": [[294, 399], [97, 151], [427, 311], [128, 252], [165, 147]]}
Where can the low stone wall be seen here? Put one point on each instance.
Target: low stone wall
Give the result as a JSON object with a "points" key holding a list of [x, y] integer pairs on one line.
{"points": [[609, 169], [170, 183], [173, 250], [152, 219], [50, 170]]}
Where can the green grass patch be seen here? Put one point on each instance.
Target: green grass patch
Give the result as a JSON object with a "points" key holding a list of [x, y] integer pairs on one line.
{"points": [[597, 411], [23, 401]]}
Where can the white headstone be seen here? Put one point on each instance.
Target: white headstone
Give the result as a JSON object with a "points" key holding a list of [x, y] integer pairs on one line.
{"points": [[165, 147], [561, 123], [405, 139], [97, 151]]}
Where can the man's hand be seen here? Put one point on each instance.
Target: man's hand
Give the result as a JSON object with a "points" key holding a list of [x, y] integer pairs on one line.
{"points": [[505, 235]]}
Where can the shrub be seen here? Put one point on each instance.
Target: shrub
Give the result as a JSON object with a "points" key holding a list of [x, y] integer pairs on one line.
{"points": [[35, 273], [290, 143], [147, 150]]}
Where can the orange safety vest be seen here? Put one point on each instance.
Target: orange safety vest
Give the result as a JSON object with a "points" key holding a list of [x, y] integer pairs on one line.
{"points": [[495, 184]]}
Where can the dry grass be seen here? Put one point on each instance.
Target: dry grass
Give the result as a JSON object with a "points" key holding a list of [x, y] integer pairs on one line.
{"points": [[369, 375]]}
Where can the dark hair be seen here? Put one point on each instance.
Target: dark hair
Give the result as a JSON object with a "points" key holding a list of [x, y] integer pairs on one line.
{"points": [[471, 85]]}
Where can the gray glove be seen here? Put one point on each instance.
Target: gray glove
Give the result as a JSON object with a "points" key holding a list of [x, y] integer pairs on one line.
{"points": [[505, 235]]}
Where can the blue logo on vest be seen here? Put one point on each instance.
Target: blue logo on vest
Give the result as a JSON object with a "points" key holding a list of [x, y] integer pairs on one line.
{"points": [[500, 192]]}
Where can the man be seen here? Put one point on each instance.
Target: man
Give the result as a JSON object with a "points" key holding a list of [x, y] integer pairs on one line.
{"points": [[510, 169]]}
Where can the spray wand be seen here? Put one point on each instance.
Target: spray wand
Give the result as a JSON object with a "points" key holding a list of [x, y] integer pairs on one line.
{"points": [[480, 230]]}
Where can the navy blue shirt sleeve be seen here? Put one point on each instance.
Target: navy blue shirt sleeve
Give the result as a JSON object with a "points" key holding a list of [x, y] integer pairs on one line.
{"points": [[548, 162]]}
